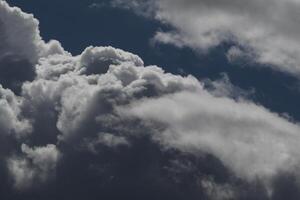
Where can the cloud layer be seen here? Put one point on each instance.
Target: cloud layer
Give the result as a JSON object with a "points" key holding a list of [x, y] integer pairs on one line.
{"points": [[102, 121]]}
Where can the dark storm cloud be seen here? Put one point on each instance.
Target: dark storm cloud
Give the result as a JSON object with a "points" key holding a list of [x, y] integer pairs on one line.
{"points": [[103, 125]]}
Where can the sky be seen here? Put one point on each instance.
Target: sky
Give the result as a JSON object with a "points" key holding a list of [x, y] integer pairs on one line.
{"points": [[149, 99]]}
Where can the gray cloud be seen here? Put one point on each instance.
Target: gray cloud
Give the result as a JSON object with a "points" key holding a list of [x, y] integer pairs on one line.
{"points": [[216, 191], [34, 166], [106, 139], [11, 121]]}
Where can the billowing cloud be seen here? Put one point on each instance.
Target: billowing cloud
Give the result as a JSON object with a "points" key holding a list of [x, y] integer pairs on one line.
{"points": [[102, 122], [265, 31]]}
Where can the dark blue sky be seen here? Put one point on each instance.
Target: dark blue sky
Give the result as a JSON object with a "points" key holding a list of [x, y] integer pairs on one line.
{"points": [[76, 25]]}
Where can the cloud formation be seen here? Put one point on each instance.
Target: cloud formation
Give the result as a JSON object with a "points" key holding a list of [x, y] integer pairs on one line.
{"points": [[267, 32], [102, 121]]}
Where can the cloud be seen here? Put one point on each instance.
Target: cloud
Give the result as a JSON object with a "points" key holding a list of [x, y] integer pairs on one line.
{"points": [[224, 87], [105, 122], [11, 120], [34, 166], [106, 139], [20, 36], [21, 47], [248, 139], [265, 31], [216, 191]]}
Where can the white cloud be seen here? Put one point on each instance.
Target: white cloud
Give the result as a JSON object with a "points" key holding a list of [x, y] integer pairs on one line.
{"points": [[268, 31], [19, 34], [94, 54], [250, 140]]}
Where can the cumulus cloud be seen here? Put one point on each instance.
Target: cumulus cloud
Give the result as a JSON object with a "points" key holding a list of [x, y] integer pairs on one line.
{"points": [[247, 138], [265, 31], [89, 105]]}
